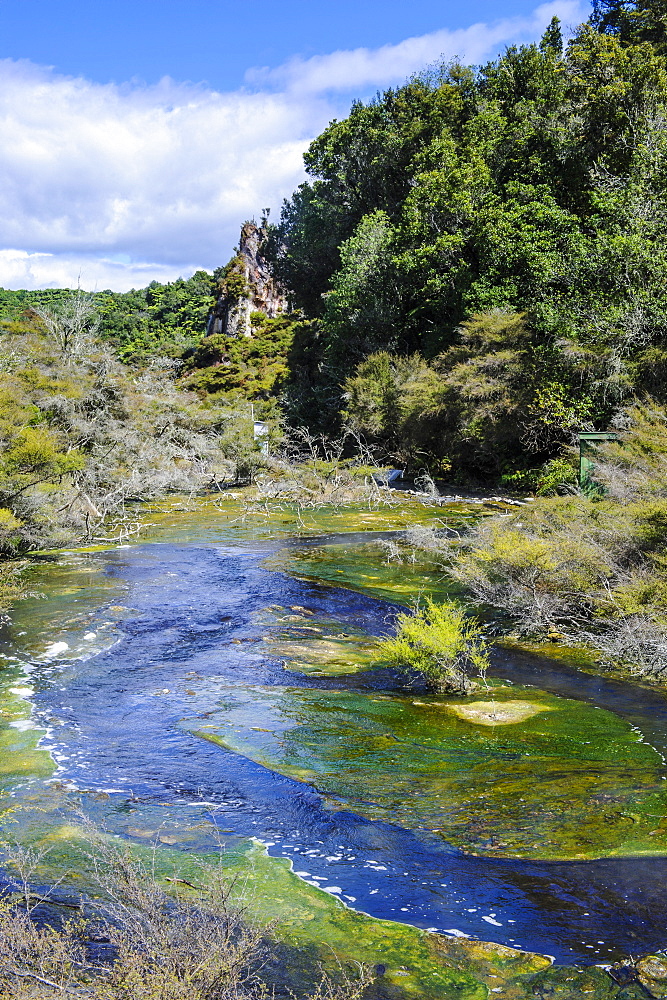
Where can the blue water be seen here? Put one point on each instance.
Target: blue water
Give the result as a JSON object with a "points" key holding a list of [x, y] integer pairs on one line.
{"points": [[173, 628]]}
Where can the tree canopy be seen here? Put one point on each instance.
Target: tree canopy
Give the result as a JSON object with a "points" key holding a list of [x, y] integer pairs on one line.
{"points": [[535, 186]]}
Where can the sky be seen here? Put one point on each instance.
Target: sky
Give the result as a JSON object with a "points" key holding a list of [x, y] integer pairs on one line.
{"points": [[138, 136]]}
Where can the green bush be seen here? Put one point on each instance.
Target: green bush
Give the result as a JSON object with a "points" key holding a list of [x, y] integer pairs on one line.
{"points": [[255, 367], [522, 480], [441, 643], [557, 476], [590, 568]]}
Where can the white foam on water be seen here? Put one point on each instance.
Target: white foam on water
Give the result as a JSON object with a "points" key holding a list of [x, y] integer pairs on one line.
{"points": [[55, 649]]}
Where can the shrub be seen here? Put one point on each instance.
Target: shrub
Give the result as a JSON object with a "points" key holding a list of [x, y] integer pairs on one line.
{"points": [[522, 480], [12, 587], [441, 643], [557, 476], [591, 569], [191, 943], [545, 565]]}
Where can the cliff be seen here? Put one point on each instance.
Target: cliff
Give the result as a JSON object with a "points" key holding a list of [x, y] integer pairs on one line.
{"points": [[246, 286]]}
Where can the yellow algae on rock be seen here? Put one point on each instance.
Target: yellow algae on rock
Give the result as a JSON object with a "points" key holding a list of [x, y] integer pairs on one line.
{"points": [[491, 713], [652, 974]]}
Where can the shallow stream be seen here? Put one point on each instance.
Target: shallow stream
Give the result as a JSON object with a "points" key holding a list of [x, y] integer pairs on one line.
{"points": [[218, 679]]}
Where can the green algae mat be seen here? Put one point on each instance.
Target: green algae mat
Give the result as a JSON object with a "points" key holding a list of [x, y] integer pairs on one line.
{"points": [[314, 931], [368, 567], [507, 772], [245, 515], [21, 761]]}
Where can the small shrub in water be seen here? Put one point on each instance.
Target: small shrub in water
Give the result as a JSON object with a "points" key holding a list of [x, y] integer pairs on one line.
{"points": [[442, 644]]}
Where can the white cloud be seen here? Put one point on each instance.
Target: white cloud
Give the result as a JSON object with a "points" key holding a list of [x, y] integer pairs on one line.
{"points": [[161, 174], [20, 269], [118, 185], [362, 68]]}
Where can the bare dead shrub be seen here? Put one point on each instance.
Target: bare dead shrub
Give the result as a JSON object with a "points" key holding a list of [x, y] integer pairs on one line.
{"points": [[193, 942]]}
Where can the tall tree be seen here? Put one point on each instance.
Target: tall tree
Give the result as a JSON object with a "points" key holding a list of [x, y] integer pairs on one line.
{"points": [[633, 20]]}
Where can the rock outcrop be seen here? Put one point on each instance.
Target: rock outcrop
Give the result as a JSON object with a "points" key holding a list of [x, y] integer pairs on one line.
{"points": [[247, 286]]}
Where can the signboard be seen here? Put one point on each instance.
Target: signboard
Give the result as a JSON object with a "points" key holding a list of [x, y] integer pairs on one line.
{"points": [[261, 436], [588, 446]]}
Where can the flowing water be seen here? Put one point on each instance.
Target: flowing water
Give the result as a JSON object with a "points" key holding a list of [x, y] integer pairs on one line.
{"points": [[219, 680]]}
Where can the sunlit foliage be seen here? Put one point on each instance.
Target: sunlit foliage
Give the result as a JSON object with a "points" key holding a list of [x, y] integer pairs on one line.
{"points": [[440, 644]]}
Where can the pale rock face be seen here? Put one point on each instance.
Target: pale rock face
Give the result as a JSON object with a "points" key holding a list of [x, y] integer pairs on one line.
{"points": [[232, 318]]}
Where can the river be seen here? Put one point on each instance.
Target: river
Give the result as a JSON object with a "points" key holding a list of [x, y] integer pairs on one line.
{"points": [[201, 679]]}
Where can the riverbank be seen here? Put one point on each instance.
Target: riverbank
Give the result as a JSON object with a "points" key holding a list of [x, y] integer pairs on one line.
{"points": [[254, 630]]}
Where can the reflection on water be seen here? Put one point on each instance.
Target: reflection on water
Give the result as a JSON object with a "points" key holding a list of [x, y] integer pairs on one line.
{"points": [[162, 639]]}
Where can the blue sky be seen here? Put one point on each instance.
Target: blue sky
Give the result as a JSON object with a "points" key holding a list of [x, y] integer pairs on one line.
{"points": [[138, 136], [216, 42]]}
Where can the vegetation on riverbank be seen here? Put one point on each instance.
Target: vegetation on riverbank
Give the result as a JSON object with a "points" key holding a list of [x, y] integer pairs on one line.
{"points": [[83, 435], [583, 567], [476, 270], [140, 939]]}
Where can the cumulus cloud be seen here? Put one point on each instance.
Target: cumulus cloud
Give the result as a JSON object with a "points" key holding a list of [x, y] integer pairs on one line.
{"points": [[383, 66], [114, 186], [161, 174]]}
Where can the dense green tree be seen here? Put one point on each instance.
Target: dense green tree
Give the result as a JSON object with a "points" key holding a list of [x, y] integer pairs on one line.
{"points": [[633, 20], [252, 367], [534, 185], [162, 319]]}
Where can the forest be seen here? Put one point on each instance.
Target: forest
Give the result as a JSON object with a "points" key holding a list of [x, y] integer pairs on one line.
{"points": [[475, 271]]}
